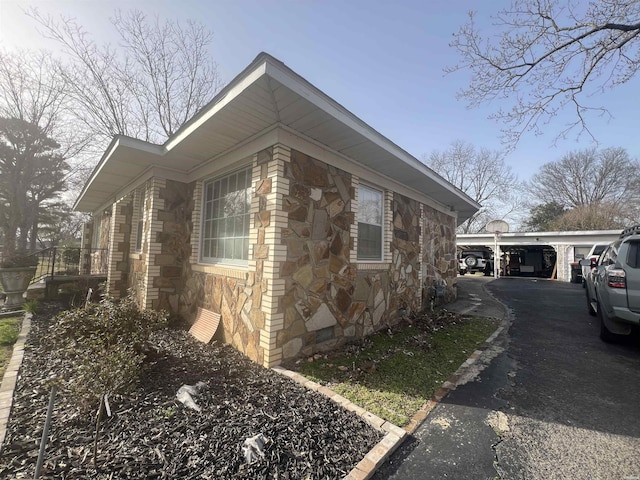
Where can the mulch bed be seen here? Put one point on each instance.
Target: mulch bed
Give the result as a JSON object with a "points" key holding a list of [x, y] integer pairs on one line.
{"points": [[151, 435]]}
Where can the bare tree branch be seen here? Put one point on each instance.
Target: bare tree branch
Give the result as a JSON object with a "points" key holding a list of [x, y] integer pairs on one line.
{"points": [[147, 86], [483, 175], [544, 56], [588, 177]]}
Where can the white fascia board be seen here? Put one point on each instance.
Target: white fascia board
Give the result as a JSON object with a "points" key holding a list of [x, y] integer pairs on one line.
{"points": [[306, 90], [218, 103]]}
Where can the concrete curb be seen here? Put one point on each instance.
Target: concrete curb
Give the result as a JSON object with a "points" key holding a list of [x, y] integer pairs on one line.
{"points": [[11, 376], [394, 435]]}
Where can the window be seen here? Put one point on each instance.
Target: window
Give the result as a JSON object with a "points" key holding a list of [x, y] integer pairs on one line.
{"points": [[370, 204], [139, 201], [609, 256], [97, 230], [633, 259], [225, 219], [139, 235]]}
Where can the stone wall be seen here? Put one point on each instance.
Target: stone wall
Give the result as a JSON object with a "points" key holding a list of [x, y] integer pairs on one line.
{"points": [[329, 297], [174, 237], [319, 278], [303, 289], [438, 253], [404, 270]]}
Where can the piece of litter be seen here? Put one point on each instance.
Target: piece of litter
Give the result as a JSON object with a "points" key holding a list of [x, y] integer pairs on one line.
{"points": [[253, 448], [185, 393], [106, 405]]}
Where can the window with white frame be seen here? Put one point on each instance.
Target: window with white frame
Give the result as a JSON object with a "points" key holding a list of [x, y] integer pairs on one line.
{"points": [[139, 206], [225, 219], [370, 218]]}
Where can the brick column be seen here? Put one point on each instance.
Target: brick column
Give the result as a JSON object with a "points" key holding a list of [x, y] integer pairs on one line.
{"points": [[153, 205], [268, 250], [119, 248]]}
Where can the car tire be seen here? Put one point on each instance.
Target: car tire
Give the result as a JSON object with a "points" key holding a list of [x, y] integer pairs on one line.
{"points": [[605, 334], [462, 272], [471, 261]]}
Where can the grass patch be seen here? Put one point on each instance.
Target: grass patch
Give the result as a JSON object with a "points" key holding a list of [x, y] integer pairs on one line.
{"points": [[393, 374], [9, 330]]}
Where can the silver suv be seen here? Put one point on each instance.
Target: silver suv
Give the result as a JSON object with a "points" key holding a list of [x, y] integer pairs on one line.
{"points": [[613, 286], [471, 261]]}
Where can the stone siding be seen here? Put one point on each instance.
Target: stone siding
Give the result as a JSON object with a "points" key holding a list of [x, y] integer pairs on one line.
{"points": [[319, 278], [302, 290], [405, 249], [439, 253]]}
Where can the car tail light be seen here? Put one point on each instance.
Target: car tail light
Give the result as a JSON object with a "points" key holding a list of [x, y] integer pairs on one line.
{"points": [[616, 278]]}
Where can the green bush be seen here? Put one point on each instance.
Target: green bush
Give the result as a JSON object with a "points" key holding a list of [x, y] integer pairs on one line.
{"points": [[100, 350], [31, 306]]}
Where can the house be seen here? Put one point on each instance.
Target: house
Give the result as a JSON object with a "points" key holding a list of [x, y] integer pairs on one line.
{"points": [[278, 209]]}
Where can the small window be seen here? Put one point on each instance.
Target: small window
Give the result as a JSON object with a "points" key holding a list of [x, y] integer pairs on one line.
{"points": [[370, 206], [95, 236], [225, 219], [139, 235], [139, 201]]}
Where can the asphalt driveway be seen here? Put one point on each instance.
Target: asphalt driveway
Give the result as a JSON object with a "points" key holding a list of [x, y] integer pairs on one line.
{"points": [[551, 401]]}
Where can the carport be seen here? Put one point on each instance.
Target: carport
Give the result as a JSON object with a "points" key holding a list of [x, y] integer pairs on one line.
{"points": [[539, 254]]}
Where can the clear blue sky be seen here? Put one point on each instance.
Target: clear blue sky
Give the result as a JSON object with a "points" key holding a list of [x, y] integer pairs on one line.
{"points": [[382, 60]]}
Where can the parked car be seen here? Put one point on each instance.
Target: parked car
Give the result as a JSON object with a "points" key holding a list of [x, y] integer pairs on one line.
{"points": [[613, 286], [594, 253], [471, 261]]}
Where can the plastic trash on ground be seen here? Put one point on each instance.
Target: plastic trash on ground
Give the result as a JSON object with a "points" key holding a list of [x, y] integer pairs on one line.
{"points": [[253, 448], [187, 392]]}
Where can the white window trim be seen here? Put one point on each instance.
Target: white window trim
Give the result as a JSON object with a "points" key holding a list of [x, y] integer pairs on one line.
{"points": [[211, 266]]}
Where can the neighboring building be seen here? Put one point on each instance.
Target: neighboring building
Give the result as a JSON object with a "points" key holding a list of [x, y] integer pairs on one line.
{"points": [[279, 209], [560, 249]]}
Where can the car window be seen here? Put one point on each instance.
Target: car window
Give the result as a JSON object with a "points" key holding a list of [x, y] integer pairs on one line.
{"points": [[633, 258], [599, 249], [610, 255]]}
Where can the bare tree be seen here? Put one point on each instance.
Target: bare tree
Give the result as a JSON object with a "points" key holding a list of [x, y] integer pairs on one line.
{"points": [[483, 175], [544, 56], [147, 86], [588, 177], [597, 216]]}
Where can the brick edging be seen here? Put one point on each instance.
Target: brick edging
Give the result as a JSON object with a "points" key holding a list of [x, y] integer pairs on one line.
{"points": [[394, 435], [11, 376]]}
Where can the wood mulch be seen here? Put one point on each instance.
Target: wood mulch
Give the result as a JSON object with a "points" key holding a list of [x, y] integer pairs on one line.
{"points": [[151, 435]]}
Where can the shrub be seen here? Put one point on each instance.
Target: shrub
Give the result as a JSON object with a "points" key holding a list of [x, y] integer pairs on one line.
{"points": [[31, 306], [100, 350]]}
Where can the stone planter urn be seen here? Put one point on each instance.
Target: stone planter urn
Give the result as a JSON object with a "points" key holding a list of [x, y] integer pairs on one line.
{"points": [[14, 283]]}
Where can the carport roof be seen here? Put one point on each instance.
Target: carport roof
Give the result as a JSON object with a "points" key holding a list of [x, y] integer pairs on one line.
{"points": [[266, 94]]}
